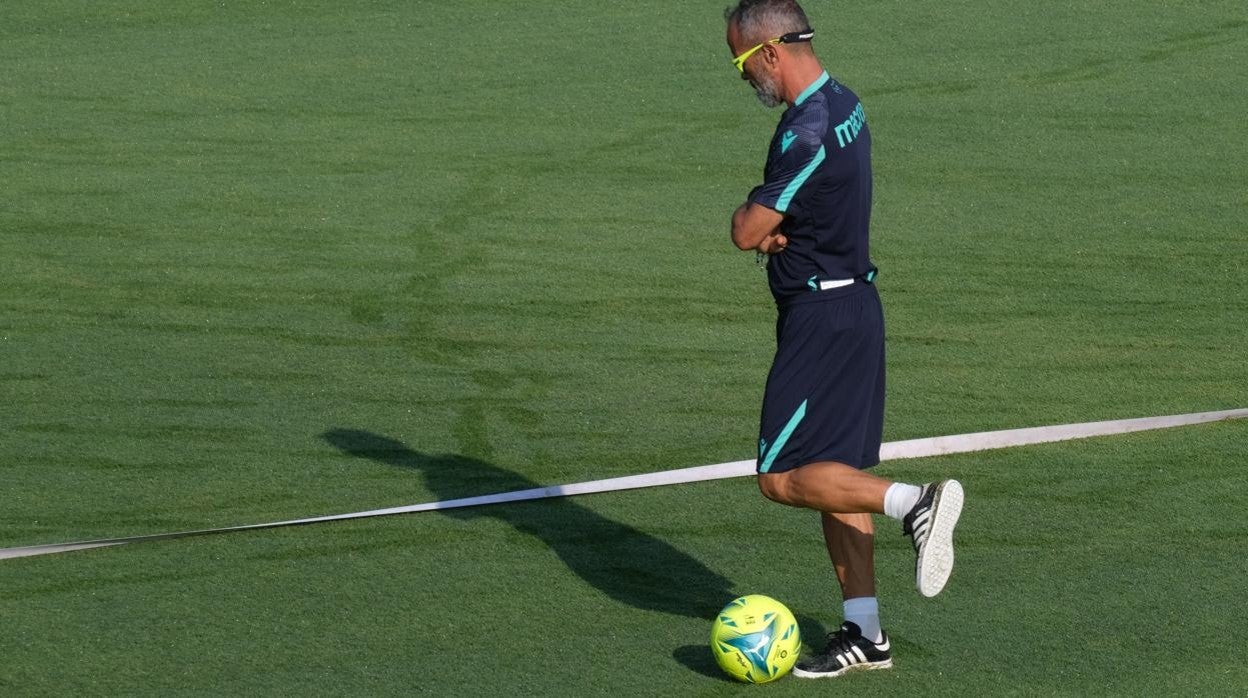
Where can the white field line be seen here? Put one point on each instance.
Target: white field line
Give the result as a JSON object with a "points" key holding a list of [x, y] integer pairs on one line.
{"points": [[895, 450]]}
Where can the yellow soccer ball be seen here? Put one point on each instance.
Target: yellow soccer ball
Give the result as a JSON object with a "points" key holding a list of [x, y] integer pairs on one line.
{"points": [[755, 639]]}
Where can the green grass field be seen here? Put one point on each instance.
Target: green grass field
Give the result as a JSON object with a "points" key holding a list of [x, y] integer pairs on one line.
{"points": [[262, 261]]}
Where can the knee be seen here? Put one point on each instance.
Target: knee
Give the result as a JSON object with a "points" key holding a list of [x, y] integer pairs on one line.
{"points": [[773, 486]]}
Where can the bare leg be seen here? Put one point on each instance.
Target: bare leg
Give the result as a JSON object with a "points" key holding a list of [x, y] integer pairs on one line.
{"points": [[851, 545], [827, 487]]}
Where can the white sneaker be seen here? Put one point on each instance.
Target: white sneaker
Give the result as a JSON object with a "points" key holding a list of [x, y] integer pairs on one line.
{"points": [[930, 525]]}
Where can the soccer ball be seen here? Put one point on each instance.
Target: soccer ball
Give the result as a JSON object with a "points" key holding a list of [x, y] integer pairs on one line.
{"points": [[755, 639]]}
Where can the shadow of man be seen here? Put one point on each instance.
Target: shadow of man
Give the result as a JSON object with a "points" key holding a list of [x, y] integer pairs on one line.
{"points": [[625, 564]]}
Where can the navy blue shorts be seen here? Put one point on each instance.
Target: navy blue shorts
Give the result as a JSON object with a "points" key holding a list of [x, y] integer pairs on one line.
{"points": [[825, 393]]}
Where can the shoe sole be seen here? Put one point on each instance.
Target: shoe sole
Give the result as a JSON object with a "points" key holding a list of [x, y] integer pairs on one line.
{"points": [[865, 666], [935, 563]]}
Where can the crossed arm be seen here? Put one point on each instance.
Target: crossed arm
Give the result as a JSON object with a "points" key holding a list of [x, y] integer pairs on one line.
{"points": [[756, 227]]}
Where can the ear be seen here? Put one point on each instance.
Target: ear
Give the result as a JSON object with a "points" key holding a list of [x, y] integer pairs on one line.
{"points": [[771, 54]]}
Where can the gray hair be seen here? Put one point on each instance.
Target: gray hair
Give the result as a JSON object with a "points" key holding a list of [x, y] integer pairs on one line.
{"points": [[759, 20]]}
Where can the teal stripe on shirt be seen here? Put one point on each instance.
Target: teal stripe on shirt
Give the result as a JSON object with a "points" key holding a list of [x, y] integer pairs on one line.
{"points": [[814, 87], [782, 204]]}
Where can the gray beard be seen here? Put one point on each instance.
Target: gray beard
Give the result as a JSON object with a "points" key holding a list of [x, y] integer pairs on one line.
{"points": [[767, 93]]}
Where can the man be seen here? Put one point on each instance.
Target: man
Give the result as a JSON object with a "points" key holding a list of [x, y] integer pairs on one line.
{"points": [[823, 408]]}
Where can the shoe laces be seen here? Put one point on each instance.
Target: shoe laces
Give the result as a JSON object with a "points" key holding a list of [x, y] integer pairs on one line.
{"points": [[838, 643]]}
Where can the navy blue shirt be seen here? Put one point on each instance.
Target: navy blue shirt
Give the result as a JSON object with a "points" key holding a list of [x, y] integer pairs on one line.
{"points": [[818, 175]]}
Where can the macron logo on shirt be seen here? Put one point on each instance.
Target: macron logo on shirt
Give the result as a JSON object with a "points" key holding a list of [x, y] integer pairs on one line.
{"points": [[847, 130], [786, 141]]}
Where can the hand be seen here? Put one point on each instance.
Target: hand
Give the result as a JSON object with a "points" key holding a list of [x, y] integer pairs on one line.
{"points": [[773, 244]]}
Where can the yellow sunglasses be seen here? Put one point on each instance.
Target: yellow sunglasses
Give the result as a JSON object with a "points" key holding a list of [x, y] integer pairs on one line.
{"points": [[792, 38]]}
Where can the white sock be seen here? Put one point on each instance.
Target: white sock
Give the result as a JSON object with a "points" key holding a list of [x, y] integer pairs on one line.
{"points": [[900, 499], [865, 613]]}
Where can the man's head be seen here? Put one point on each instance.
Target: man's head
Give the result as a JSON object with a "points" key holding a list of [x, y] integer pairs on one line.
{"points": [[756, 27]]}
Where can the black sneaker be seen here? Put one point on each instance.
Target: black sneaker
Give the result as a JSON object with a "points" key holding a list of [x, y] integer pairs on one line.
{"points": [[847, 650], [930, 525]]}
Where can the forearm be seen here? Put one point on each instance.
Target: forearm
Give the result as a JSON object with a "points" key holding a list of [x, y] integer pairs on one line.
{"points": [[754, 225]]}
